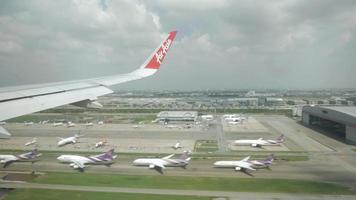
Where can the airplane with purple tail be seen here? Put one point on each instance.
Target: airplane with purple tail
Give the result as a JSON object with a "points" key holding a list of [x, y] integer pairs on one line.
{"points": [[261, 142], [79, 162], [32, 156], [245, 164], [161, 163]]}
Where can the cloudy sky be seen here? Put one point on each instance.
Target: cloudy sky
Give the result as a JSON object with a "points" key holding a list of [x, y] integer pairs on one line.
{"points": [[226, 44]]}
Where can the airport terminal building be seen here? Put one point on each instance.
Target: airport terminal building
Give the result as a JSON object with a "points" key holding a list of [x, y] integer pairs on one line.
{"points": [[175, 116], [340, 120]]}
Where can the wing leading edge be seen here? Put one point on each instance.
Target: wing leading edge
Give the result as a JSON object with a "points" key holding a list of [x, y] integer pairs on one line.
{"points": [[22, 100]]}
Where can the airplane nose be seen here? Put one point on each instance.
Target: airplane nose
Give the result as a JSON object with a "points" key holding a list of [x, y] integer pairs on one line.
{"points": [[60, 158]]}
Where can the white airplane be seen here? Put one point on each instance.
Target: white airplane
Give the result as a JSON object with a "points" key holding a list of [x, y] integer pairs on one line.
{"points": [[240, 165], [176, 146], [32, 156], [261, 142], [68, 140], [89, 124], [79, 162], [21, 100], [28, 123], [101, 143], [55, 124], [32, 142], [207, 117], [245, 164], [70, 124], [162, 163]]}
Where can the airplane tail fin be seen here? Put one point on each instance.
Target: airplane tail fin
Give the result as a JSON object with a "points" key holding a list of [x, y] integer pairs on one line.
{"points": [[107, 156], [280, 139], [157, 57], [185, 155], [269, 160]]}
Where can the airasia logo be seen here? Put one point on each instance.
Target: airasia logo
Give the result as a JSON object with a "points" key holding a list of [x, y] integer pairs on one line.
{"points": [[163, 51]]}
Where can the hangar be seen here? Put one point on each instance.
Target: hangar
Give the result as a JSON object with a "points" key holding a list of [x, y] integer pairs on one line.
{"points": [[169, 116], [340, 120]]}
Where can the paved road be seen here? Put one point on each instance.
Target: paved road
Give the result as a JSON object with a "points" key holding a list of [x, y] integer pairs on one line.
{"points": [[231, 195], [220, 134]]}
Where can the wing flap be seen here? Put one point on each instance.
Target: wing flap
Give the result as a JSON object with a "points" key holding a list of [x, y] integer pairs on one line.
{"points": [[10, 109]]}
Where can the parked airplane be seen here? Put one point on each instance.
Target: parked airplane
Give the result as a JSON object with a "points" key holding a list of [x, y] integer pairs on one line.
{"points": [[79, 162], [33, 141], [240, 165], [21, 100], [32, 156], [28, 123], [176, 146], [68, 140], [162, 163], [55, 124], [261, 142], [101, 143]]}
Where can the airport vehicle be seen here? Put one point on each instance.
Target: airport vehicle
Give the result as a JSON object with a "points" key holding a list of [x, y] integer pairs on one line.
{"points": [[162, 163], [100, 122], [68, 140], [32, 156], [32, 142], [28, 123], [265, 163], [79, 162], [207, 117], [240, 165], [70, 124], [55, 124], [176, 146], [21, 100], [88, 124], [261, 142], [101, 143]]}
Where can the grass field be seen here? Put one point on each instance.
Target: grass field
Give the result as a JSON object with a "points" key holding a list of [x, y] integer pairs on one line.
{"points": [[195, 183], [41, 194], [206, 146]]}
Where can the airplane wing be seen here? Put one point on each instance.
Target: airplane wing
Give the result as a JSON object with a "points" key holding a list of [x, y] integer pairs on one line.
{"points": [[79, 164], [246, 166], [246, 159], [22, 100], [156, 164], [168, 157]]}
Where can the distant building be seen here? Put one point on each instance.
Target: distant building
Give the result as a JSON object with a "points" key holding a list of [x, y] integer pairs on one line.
{"points": [[271, 101], [247, 101], [167, 116]]}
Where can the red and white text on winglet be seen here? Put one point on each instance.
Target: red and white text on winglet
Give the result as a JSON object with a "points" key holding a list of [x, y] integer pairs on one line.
{"points": [[161, 52]]}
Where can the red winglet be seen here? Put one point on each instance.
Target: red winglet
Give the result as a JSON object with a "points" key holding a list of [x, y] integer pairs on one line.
{"points": [[161, 52]]}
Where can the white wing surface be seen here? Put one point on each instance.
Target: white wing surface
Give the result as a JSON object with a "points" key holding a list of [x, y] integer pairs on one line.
{"points": [[22, 100]]}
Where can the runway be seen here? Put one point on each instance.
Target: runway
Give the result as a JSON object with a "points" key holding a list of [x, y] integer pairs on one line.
{"points": [[204, 193]]}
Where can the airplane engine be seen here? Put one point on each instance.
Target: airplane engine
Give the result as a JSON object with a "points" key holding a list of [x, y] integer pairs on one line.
{"points": [[72, 164], [254, 145], [151, 166], [2, 161], [237, 168]]}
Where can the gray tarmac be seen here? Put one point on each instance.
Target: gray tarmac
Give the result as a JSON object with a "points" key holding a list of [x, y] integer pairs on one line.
{"points": [[330, 160]]}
